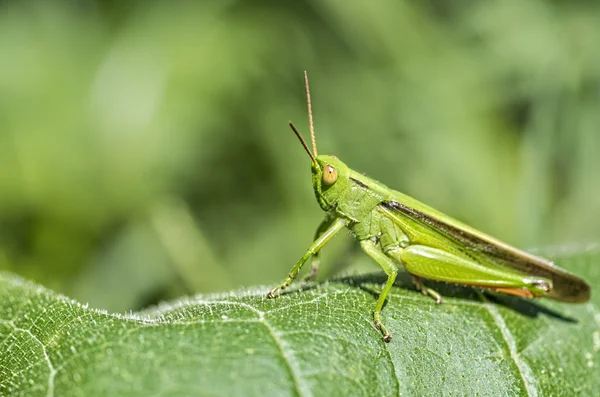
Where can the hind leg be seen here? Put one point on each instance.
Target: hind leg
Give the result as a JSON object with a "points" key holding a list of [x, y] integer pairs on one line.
{"points": [[439, 265], [426, 290]]}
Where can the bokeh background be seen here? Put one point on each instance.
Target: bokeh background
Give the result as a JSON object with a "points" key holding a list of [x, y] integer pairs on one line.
{"points": [[145, 152]]}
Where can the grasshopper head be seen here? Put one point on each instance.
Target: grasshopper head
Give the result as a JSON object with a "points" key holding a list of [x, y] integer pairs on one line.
{"points": [[330, 176], [330, 179]]}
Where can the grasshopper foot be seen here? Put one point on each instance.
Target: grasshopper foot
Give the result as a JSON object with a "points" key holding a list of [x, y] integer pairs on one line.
{"points": [[425, 290], [313, 272], [387, 337], [271, 294], [283, 286]]}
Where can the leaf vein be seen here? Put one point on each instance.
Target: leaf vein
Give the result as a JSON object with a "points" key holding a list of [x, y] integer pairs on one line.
{"points": [[294, 371], [50, 392], [522, 367]]}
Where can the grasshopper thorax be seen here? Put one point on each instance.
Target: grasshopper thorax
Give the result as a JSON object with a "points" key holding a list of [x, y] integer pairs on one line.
{"points": [[330, 180]]}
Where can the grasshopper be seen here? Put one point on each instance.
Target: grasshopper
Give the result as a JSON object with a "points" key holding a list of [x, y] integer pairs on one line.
{"points": [[397, 230]]}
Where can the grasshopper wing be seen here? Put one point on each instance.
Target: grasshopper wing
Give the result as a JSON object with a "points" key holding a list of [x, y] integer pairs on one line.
{"points": [[426, 226]]}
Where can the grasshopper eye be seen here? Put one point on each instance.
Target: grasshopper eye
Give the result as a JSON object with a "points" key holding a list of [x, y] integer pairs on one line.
{"points": [[330, 175]]}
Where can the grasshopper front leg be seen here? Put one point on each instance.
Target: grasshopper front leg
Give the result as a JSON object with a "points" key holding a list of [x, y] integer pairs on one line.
{"points": [[331, 231], [315, 261]]}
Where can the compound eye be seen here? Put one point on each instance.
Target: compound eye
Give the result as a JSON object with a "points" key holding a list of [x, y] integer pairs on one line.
{"points": [[330, 175]]}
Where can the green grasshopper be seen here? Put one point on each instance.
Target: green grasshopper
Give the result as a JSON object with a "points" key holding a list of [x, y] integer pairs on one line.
{"points": [[395, 229]]}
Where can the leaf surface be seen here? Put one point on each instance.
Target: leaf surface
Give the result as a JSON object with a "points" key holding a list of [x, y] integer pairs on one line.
{"points": [[319, 341]]}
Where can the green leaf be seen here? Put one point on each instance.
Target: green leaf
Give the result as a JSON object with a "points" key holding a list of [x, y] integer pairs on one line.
{"points": [[316, 342]]}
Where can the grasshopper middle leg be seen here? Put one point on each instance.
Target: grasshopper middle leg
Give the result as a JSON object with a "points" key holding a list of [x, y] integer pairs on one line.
{"points": [[390, 268]]}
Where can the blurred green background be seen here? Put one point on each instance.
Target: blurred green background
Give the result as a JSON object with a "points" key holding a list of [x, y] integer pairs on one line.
{"points": [[145, 152]]}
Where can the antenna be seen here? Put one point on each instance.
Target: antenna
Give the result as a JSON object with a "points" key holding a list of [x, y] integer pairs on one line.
{"points": [[310, 118], [302, 141]]}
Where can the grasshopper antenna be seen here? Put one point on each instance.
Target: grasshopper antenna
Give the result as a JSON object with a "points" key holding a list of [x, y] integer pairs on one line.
{"points": [[303, 143], [310, 117]]}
